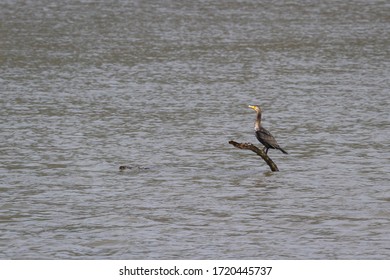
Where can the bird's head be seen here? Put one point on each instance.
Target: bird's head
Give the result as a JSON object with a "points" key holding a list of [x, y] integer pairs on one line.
{"points": [[256, 108]]}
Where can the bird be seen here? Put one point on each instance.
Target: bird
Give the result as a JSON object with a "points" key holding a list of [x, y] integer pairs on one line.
{"points": [[263, 135]]}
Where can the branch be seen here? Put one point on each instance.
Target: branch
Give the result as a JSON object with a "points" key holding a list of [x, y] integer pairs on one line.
{"points": [[253, 148]]}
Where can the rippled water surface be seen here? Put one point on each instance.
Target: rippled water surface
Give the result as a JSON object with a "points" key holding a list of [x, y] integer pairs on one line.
{"points": [[162, 86]]}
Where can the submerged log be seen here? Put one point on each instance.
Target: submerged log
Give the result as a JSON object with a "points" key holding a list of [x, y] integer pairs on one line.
{"points": [[127, 167], [260, 152]]}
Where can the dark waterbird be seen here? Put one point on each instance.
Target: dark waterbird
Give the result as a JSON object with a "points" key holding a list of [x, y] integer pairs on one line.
{"points": [[263, 135]]}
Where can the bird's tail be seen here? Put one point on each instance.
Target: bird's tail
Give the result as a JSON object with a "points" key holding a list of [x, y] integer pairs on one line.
{"points": [[283, 151]]}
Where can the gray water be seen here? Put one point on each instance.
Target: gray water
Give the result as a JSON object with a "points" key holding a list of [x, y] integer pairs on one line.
{"points": [[162, 86]]}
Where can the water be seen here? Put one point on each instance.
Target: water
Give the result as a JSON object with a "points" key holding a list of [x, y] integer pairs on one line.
{"points": [[163, 86]]}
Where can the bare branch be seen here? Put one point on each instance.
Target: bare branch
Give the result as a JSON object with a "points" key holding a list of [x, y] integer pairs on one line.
{"points": [[260, 152]]}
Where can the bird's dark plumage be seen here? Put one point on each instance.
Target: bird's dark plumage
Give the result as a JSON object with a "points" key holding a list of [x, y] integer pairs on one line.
{"points": [[263, 135]]}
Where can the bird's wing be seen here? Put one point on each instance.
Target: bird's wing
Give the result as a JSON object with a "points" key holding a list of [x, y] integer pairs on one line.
{"points": [[267, 137]]}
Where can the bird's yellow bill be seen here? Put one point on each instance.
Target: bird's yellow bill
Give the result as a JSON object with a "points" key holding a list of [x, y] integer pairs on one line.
{"points": [[252, 107]]}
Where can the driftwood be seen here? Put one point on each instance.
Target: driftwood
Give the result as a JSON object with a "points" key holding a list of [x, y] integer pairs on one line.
{"points": [[260, 152]]}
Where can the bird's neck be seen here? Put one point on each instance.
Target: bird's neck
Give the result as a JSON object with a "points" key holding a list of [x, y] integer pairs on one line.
{"points": [[258, 121]]}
